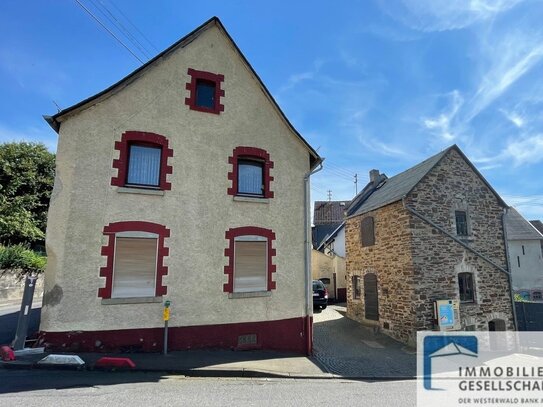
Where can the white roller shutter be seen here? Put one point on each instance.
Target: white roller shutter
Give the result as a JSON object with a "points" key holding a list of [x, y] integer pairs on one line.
{"points": [[250, 265], [135, 267]]}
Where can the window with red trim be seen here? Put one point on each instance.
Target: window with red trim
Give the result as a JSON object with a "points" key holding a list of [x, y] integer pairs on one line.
{"points": [[250, 260], [143, 161], [135, 260], [250, 173], [205, 91]]}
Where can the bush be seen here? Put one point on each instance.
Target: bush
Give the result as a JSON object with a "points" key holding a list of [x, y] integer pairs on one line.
{"points": [[21, 259]]}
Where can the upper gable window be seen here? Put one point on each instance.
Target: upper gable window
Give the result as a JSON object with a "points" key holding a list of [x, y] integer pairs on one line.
{"points": [[250, 174], [143, 161], [205, 91], [144, 165], [205, 94], [461, 223], [367, 232], [250, 177]]}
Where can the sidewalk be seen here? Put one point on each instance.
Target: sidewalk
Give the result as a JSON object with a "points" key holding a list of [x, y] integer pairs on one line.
{"points": [[204, 363]]}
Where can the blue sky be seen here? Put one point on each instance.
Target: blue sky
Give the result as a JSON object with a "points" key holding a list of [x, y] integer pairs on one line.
{"points": [[371, 84]]}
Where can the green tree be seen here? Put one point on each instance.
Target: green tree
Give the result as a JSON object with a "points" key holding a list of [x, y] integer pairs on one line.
{"points": [[26, 181], [22, 260]]}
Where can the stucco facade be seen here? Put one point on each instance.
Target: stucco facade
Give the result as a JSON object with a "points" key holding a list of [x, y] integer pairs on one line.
{"points": [[197, 210], [417, 260]]}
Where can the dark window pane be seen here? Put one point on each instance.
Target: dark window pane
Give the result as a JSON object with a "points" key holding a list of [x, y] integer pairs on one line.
{"points": [[250, 177], [461, 223], [356, 287], [465, 287], [205, 94], [144, 165], [367, 234]]}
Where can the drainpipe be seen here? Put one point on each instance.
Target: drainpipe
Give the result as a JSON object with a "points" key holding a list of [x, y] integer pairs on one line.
{"points": [[471, 249], [307, 259], [510, 277]]}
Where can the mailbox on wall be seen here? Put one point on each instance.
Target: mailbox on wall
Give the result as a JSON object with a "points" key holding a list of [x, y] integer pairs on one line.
{"points": [[447, 314]]}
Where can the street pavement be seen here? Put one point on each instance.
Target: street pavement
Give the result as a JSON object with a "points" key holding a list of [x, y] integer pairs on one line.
{"points": [[350, 349], [9, 314], [30, 388]]}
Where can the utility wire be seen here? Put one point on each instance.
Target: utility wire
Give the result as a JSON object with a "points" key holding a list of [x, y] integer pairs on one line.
{"points": [[120, 26], [135, 27], [108, 30]]}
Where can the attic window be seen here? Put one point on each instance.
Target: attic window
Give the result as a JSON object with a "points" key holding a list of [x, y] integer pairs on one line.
{"points": [[461, 223], [205, 91]]}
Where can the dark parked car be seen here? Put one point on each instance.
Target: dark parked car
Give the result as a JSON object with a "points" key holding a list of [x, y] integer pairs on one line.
{"points": [[320, 295]]}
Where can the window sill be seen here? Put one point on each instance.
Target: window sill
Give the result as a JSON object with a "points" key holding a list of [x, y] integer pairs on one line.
{"points": [[131, 300], [250, 294], [141, 191], [240, 198]]}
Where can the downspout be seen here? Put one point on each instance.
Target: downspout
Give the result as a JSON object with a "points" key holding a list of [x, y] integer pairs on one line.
{"points": [[307, 260], [471, 249], [508, 259]]}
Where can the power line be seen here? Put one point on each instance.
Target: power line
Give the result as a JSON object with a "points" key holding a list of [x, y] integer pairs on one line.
{"points": [[122, 29], [135, 27], [109, 31]]}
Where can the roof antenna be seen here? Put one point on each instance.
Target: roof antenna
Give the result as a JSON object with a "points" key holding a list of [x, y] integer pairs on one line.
{"points": [[329, 195], [58, 107]]}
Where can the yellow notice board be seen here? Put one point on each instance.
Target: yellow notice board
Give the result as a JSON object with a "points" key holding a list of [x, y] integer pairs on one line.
{"points": [[166, 314]]}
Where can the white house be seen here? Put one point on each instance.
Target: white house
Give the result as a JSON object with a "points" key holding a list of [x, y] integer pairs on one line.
{"points": [[184, 182], [526, 256]]}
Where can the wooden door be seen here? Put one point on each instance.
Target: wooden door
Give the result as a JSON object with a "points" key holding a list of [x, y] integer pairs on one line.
{"points": [[371, 300]]}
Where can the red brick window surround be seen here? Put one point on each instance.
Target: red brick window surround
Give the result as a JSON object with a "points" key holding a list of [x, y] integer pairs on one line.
{"points": [[205, 82], [245, 155], [142, 139], [232, 236], [132, 228]]}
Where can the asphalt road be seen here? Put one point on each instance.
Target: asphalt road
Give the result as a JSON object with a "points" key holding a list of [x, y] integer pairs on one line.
{"points": [[27, 388], [9, 314]]}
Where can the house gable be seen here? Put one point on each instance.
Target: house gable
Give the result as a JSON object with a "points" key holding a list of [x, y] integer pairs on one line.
{"points": [[56, 120]]}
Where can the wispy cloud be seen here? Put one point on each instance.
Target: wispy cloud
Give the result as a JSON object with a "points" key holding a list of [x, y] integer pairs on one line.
{"points": [[509, 60], [444, 15], [384, 148], [524, 151], [513, 117], [441, 124]]}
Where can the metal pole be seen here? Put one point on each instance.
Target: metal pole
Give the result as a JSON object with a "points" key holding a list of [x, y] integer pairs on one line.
{"points": [[24, 313], [166, 337]]}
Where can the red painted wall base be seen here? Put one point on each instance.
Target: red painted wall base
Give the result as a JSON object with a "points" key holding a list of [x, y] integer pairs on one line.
{"points": [[289, 335]]}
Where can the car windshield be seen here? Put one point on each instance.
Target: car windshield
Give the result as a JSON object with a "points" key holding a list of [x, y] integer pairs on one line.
{"points": [[317, 285]]}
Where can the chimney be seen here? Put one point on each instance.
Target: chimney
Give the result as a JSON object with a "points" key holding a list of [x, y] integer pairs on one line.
{"points": [[374, 177]]}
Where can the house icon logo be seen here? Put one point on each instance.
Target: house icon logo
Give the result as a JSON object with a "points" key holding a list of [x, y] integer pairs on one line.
{"points": [[438, 346]]}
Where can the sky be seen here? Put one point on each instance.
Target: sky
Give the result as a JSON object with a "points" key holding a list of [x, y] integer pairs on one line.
{"points": [[371, 84]]}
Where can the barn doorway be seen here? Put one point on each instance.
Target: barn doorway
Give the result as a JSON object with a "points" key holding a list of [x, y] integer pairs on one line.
{"points": [[371, 299]]}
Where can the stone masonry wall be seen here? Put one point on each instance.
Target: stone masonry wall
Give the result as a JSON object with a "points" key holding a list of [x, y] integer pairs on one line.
{"points": [[450, 186], [390, 259]]}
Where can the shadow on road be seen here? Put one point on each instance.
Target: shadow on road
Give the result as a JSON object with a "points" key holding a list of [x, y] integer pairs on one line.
{"points": [[14, 381]]}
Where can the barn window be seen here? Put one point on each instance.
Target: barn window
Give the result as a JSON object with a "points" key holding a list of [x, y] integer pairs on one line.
{"points": [[367, 232]]}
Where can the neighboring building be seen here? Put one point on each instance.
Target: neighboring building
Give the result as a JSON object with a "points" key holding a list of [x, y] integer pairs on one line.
{"points": [[327, 217], [539, 226], [328, 260], [526, 256], [184, 181], [433, 232], [330, 269]]}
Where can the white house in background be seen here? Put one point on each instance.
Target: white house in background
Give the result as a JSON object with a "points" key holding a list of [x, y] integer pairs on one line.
{"points": [[334, 244], [526, 256]]}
